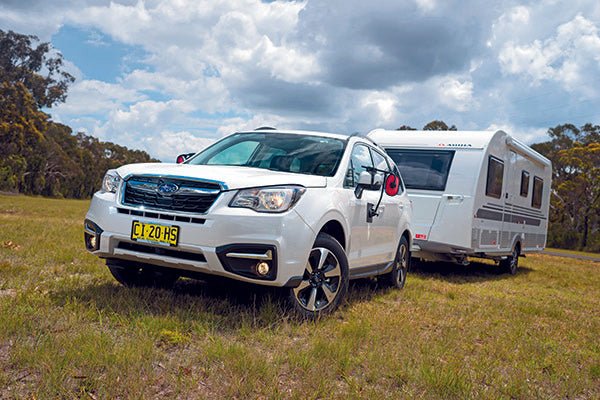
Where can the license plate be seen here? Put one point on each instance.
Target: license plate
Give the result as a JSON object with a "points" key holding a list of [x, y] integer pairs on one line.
{"points": [[155, 233]]}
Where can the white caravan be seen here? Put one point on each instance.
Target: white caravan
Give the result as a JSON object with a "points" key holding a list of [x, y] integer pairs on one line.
{"points": [[479, 194]]}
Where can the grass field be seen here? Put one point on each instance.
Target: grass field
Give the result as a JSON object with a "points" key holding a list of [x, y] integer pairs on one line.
{"points": [[68, 330]]}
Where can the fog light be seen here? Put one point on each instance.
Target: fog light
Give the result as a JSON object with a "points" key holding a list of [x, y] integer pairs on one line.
{"points": [[93, 242], [262, 268]]}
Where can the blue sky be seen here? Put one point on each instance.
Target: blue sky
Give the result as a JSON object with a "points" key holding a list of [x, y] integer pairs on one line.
{"points": [[171, 77], [97, 55]]}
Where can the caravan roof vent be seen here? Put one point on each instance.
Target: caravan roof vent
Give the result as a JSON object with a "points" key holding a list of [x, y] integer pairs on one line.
{"points": [[266, 128]]}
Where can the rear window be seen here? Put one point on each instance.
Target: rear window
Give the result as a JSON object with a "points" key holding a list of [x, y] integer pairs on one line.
{"points": [[423, 169], [524, 183], [495, 175], [538, 189]]}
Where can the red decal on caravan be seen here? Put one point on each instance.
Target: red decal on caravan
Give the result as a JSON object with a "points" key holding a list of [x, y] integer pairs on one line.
{"points": [[420, 236]]}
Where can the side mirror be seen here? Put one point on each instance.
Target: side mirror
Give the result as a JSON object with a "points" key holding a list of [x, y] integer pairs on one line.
{"points": [[368, 181], [364, 179], [184, 157], [377, 181]]}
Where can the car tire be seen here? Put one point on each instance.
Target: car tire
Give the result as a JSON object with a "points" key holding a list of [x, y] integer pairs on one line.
{"points": [[511, 263], [131, 274], [397, 276], [325, 280]]}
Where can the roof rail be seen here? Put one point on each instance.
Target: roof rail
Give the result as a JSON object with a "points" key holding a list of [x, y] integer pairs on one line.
{"points": [[266, 128], [363, 136]]}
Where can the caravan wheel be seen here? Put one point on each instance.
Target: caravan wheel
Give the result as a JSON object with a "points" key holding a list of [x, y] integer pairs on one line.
{"points": [[511, 263]]}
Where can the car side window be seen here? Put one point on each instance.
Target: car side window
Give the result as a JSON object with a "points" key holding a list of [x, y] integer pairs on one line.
{"points": [[380, 161], [360, 158]]}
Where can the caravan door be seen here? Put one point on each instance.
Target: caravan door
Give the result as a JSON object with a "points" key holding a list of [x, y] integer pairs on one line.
{"points": [[516, 212], [425, 173]]}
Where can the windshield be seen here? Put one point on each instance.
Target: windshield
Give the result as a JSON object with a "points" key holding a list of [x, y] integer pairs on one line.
{"points": [[302, 154]]}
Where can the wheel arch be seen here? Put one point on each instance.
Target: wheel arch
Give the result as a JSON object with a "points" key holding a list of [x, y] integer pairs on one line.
{"points": [[335, 228], [517, 244], [408, 235]]}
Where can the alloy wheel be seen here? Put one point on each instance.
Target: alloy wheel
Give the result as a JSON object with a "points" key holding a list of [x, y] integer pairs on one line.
{"points": [[402, 265], [321, 281]]}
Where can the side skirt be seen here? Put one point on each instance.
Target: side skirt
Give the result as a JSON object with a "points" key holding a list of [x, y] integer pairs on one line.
{"points": [[371, 270]]}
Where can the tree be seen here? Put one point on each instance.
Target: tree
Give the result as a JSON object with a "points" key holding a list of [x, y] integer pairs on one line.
{"points": [[37, 155], [406, 128], [37, 67], [582, 190], [575, 204], [22, 128], [437, 125]]}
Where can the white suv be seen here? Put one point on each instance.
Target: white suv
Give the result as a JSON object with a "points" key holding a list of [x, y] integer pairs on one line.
{"points": [[303, 210]]}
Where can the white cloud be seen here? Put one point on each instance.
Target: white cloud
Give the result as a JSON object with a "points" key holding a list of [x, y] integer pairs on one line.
{"points": [[383, 104], [425, 5], [212, 67], [239, 124], [456, 95], [96, 97], [208, 93], [286, 64], [167, 145], [571, 57], [518, 15]]}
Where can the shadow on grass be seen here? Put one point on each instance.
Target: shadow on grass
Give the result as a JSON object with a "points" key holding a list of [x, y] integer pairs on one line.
{"points": [[227, 305], [222, 304], [473, 273]]}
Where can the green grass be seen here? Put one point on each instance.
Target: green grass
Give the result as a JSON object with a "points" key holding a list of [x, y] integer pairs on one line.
{"points": [[68, 330]]}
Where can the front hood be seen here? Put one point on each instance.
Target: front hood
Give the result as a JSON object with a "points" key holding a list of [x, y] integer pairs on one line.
{"points": [[232, 177]]}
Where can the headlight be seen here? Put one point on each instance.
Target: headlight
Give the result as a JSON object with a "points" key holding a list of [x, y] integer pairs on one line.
{"points": [[111, 181], [268, 199]]}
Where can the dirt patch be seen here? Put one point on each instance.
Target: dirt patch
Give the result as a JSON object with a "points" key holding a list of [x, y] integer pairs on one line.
{"points": [[5, 353], [8, 293]]}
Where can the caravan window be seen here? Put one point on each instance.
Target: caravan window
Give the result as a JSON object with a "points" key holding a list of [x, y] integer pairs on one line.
{"points": [[423, 169], [495, 175], [538, 188], [524, 183]]}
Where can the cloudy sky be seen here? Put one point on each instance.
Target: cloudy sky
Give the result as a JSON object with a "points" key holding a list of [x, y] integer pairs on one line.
{"points": [[171, 76]]}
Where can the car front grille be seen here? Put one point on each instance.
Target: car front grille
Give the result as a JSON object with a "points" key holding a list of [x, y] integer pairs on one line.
{"points": [[182, 195]]}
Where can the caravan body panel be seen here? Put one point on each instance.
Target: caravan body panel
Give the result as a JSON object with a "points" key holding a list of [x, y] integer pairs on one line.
{"points": [[475, 206]]}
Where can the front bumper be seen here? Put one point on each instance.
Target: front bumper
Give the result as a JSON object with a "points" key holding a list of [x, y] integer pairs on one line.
{"points": [[221, 242]]}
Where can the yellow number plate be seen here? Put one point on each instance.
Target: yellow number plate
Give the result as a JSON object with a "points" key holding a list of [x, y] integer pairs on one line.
{"points": [[154, 233]]}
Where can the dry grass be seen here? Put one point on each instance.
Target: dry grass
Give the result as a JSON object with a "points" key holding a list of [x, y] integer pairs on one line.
{"points": [[67, 330]]}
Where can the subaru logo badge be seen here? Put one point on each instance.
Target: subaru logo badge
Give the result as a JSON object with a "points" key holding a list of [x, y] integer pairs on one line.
{"points": [[167, 188]]}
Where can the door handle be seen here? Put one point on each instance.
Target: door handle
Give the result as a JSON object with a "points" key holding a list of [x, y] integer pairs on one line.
{"points": [[457, 198]]}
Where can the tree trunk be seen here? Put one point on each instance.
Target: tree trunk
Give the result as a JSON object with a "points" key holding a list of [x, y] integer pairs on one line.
{"points": [[584, 238]]}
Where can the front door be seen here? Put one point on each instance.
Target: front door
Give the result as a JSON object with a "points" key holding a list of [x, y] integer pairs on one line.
{"points": [[370, 242], [388, 219]]}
